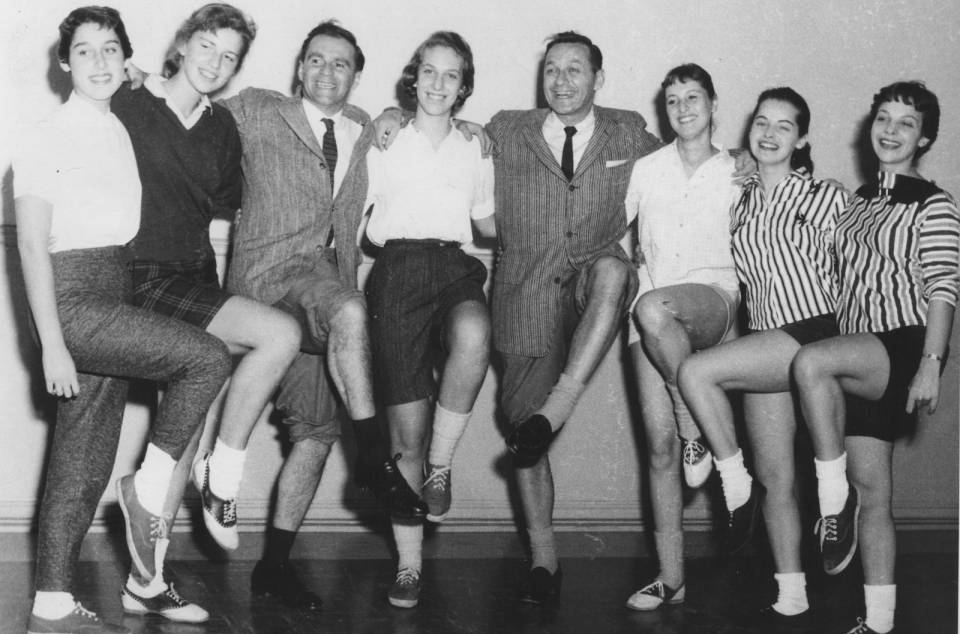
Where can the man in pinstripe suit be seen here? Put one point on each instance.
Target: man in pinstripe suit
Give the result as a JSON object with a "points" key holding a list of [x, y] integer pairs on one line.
{"points": [[562, 282]]}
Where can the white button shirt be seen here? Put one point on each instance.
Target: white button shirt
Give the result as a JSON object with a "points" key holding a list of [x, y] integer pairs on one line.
{"points": [[555, 136], [345, 130]]}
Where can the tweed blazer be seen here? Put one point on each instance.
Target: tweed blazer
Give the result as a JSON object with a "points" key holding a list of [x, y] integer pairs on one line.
{"points": [[549, 228], [288, 210]]}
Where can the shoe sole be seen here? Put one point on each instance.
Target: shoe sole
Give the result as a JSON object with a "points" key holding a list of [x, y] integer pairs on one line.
{"points": [[836, 570], [637, 608], [133, 606], [403, 603], [437, 518], [209, 521]]}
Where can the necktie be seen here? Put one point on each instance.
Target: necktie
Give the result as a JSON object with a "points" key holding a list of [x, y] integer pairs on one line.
{"points": [[566, 159], [330, 150]]}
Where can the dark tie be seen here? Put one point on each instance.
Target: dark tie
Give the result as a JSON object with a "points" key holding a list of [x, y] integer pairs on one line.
{"points": [[566, 159], [330, 150]]}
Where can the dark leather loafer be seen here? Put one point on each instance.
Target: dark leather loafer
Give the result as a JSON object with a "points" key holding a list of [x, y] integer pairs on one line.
{"points": [[282, 583], [540, 585], [530, 439], [743, 520]]}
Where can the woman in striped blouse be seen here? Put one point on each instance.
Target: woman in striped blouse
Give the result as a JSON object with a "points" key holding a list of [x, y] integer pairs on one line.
{"points": [[898, 248], [782, 230]]}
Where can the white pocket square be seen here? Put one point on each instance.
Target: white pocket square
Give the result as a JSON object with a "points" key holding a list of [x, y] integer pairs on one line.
{"points": [[616, 163]]}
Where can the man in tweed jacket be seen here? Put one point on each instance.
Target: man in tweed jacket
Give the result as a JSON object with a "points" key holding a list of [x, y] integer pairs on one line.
{"points": [[562, 283], [283, 256]]}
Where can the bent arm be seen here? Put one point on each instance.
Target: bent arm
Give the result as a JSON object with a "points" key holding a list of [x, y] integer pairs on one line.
{"points": [[33, 232]]}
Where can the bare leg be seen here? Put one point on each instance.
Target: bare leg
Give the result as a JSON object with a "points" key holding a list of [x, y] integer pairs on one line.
{"points": [[663, 446], [273, 339], [349, 360], [468, 342], [871, 471], [298, 481]]}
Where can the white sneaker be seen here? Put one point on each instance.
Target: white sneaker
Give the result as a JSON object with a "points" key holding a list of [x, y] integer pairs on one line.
{"points": [[697, 462]]}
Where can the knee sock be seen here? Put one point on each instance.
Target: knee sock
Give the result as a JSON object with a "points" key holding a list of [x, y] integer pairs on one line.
{"points": [[670, 552], [881, 604], [735, 479], [409, 539], [832, 487], [152, 479], [561, 401], [686, 426], [543, 549], [226, 469], [53, 605], [448, 427], [792, 595], [369, 437], [279, 542]]}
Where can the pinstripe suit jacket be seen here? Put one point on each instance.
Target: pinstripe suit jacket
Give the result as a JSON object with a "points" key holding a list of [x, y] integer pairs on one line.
{"points": [[287, 208], [549, 228]]}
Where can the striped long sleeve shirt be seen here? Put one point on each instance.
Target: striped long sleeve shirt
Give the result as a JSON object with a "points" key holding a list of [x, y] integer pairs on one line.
{"points": [[783, 249], [898, 248]]}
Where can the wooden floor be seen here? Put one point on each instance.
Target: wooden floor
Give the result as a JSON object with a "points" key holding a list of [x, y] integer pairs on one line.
{"points": [[477, 595]]}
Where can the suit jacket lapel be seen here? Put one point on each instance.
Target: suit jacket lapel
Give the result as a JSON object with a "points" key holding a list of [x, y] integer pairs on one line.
{"points": [[532, 133], [292, 112], [601, 135]]}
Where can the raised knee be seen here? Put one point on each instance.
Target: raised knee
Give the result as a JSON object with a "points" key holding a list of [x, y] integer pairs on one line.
{"points": [[651, 313], [691, 374], [471, 335], [287, 334], [351, 317], [806, 366], [611, 276]]}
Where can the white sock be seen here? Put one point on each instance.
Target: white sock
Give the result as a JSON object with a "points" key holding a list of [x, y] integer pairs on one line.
{"points": [[152, 479], [53, 605], [409, 538], [735, 479], [543, 549], [226, 470], [832, 486], [881, 603], [148, 591], [792, 595], [448, 427]]}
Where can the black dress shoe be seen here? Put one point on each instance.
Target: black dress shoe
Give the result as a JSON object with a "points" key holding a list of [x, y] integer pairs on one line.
{"points": [[530, 439], [540, 585], [743, 520], [388, 485], [282, 583]]}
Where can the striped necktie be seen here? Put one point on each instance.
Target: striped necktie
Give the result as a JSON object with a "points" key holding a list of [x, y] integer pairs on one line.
{"points": [[330, 150], [566, 159]]}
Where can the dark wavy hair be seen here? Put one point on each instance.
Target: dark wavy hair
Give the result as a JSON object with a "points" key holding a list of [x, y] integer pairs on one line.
{"points": [[448, 39], [572, 37], [211, 17], [689, 72], [801, 156], [104, 17], [330, 28], [916, 94]]}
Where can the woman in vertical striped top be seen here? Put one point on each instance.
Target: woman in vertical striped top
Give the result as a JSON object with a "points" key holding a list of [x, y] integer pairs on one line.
{"points": [[898, 248], [782, 230]]}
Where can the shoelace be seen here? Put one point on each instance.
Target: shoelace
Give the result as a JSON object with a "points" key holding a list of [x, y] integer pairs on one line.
{"points": [[826, 527], [407, 576], [229, 511], [655, 589], [158, 528], [693, 452], [84, 612], [861, 627], [440, 477], [174, 596]]}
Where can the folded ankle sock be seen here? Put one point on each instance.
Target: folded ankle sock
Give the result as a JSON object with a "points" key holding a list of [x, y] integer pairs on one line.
{"points": [[226, 469], [670, 553], [409, 539], [735, 479], [881, 604], [561, 401], [53, 605], [832, 486], [543, 548], [279, 543], [792, 595], [152, 479], [448, 428], [686, 426]]}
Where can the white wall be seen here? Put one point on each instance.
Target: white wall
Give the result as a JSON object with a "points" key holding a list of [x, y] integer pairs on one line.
{"points": [[834, 53]]}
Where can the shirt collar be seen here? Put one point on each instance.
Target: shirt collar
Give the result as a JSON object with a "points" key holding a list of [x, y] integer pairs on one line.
{"points": [[82, 109], [801, 173], [900, 188], [314, 113], [554, 125], [155, 84]]}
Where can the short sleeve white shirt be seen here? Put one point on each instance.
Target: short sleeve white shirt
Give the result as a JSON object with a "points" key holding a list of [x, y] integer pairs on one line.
{"points": [[683, 223], [81, 161], [419, 192]]}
